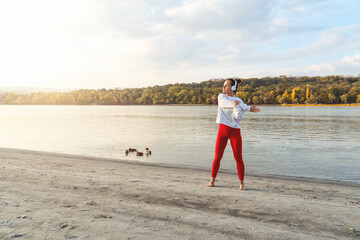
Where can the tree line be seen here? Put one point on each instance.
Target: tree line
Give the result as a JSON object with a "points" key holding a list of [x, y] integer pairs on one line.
{"points": [[268, 90]]}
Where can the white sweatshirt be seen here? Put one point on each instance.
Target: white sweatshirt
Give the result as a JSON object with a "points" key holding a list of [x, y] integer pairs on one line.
{"points": [[228, 114]]}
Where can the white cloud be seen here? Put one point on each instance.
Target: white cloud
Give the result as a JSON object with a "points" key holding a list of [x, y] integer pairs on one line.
{"points": [[331, 40], [223, 32], [349, 65], [203, 15]]}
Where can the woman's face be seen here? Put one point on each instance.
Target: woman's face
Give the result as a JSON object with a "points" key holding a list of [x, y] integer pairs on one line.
{"points": [[227, 88]]}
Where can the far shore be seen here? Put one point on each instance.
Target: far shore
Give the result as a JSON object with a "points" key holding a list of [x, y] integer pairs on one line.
{"points": [[61, 196], [284, 104]]}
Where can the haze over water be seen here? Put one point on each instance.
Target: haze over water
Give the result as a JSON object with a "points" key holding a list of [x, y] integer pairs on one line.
{"points": [[319, 142]]}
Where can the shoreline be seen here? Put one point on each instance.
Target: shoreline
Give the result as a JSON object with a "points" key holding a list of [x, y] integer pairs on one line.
{"points": [[321, 105], [62, 196], [185, 167]]}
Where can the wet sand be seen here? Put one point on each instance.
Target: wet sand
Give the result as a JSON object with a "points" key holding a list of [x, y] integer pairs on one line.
{"points": [[58, 196]]}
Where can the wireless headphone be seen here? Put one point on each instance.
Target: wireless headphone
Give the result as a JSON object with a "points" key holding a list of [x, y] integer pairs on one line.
{"points": [[233, 88]]}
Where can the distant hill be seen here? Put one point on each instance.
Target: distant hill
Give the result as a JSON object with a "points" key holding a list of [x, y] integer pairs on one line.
{"points": [[270, 90]]}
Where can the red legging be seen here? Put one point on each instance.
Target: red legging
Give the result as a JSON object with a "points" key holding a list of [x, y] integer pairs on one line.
{"points": [[224, 134]]}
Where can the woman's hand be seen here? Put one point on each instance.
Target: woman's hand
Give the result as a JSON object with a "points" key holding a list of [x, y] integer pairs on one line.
{"points": [[254, 109], [235, 102]]}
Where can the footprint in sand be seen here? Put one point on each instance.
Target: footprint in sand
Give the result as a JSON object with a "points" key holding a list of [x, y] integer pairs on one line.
{"points": [[66, 226], [97, 216], [18, 235], [91, 203]]}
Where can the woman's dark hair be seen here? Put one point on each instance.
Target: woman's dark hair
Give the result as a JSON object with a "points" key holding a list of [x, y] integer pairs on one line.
{"points": [[238, 80]]}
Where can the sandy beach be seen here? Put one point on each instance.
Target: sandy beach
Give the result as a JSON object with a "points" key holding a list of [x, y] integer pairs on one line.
{"points": [[58, 196]]}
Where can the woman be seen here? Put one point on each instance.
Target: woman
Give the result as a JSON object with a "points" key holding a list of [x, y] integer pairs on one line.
{"points": [[231, 111]]}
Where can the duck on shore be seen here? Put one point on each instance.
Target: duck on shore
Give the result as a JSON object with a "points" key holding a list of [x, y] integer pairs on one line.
{"points": [[138, 154]]}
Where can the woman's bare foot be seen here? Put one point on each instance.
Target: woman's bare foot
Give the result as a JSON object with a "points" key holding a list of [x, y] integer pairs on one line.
{"points": [[211, 183], [242, 186]]}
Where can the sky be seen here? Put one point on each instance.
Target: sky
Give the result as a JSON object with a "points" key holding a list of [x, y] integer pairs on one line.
{"points": [[139, 43]]}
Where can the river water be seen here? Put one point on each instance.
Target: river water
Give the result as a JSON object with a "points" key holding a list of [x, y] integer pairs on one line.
{"points": [[318, 142]]}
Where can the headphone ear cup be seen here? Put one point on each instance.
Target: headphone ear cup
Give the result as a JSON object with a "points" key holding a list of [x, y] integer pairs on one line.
{"points": [[233, 88]]}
